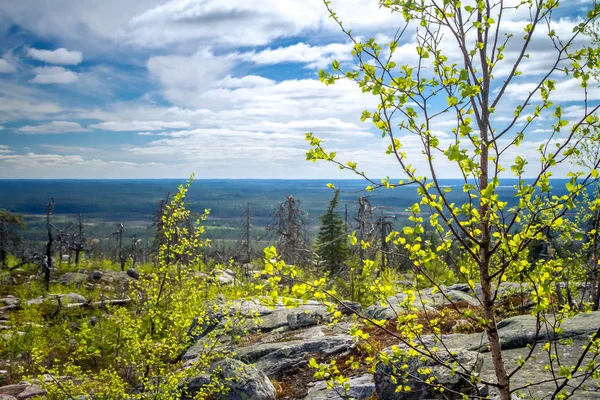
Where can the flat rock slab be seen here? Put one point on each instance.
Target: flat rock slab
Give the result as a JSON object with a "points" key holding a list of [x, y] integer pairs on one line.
{"points": [[22, 391], [520, 331], [59, 299], [298, 353], [426, 300], [534, 372], [408, 371], [243, 382], [9, 303], [361, 388]]}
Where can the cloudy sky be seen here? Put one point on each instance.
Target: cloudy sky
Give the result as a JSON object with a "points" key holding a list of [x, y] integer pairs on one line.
{"points": [[163, 88]]}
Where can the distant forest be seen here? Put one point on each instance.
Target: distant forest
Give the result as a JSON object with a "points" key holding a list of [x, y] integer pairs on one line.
{"points": [[105, 203]]}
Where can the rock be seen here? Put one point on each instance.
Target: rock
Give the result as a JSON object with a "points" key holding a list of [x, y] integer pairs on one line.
{"points": [[7, 397], [133, 273], [71, 298], [509, 292], [294, 332], [249, 269], [306, 318], [226, 277], [517, 332], [68, 299], [9, 303], [97, 275], [462, 326], [426, 300], [72, 278], [12, 390], [31, 391], [265, 319], [243, 381], [294, 354], [361, 388], [408, 373], [347, 307], [200, 275], [534, 372], [21, 391], [461, 287], [114, 278]]}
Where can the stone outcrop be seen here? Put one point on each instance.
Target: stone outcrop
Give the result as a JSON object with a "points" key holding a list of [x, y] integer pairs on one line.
{"points": [[241, 382]]}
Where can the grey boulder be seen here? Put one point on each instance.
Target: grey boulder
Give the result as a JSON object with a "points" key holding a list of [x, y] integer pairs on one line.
{"points": [[361, 388], [242, 382], [412, 371]]}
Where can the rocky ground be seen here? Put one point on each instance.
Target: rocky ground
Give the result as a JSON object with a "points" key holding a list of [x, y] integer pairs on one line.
{"points": [[270, 347]]}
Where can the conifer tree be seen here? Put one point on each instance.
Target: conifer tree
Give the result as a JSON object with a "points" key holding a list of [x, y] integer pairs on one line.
{"points": [[332, 248]]}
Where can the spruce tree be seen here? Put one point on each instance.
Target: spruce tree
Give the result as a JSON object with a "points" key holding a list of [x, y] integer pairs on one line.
{"points": [[332, 247]]}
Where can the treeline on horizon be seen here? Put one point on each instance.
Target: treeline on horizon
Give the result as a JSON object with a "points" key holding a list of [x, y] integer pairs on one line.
{"points": [[117, 218]]}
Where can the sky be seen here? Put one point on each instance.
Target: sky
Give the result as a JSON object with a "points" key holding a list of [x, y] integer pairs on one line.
{"points": [[164, 88]]}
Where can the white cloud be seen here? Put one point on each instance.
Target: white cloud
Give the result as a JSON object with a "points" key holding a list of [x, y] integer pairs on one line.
{"points": [[219, 109], [184, 79], [50, 75], [40, 160], [4, 149], [246, 81], [60, 56], [53, 127], [6, 67], [38, 165], [566, 91], [97, 26], [312, 56], [16, 108], [236, 23], [118, 126]]}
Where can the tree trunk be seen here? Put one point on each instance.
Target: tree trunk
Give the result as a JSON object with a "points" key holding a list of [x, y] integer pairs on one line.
{"points": [[595, 272]]}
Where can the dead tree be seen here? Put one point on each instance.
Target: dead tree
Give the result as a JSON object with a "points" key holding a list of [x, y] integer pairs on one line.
{"points": [[63, 240], [244, 247], [47, 264], [120, 251], [135, 244], [158, 224], [78, 242], [289, 226], [365, 229], [384, 227]]}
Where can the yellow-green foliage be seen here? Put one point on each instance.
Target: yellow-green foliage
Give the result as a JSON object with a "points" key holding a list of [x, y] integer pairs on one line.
{"points": [[135, 346]]}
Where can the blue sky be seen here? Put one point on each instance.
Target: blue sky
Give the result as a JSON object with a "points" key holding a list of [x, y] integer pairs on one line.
{"points": [[164, 88]]}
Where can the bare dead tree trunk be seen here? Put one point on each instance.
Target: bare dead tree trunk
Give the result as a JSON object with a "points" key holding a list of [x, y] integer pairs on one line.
{"points": [[47, 265], [134, 249], [291, 242], [366, 227], [80, 243], [3, 252], [246, 243], [120, 251]]}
